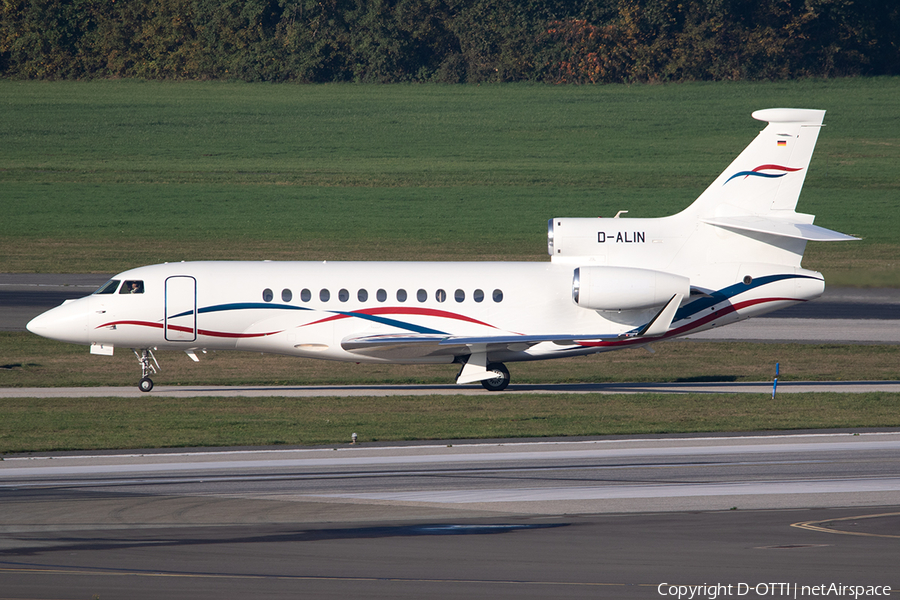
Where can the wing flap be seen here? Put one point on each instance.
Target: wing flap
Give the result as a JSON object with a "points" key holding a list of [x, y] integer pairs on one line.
{"points": [[398, 347], [404, 346]]}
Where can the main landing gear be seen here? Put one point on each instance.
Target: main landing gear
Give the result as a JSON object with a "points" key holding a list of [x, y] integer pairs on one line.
{"points": [[494, 377], [498, 383], [147, 367]]}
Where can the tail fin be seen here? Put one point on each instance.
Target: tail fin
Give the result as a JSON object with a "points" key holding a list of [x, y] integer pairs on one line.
{"points": [[758, 192], [746, 216], [768, 174]]}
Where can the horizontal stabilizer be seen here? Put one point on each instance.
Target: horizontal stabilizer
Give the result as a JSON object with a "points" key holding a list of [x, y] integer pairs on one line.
{"points": [[804, 116], [779, 227]]}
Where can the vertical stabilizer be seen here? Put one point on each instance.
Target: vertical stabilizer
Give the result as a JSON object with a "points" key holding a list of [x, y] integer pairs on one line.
{"points": [[746, 216], [751, 205], [765, 180]]}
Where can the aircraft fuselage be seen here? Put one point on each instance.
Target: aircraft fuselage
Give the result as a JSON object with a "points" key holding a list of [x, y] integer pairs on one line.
{"points": [[311, 308]]}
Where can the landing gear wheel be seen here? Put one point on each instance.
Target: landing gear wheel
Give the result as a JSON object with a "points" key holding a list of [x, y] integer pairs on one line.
{"points": [[147, 360], [498, 383]]}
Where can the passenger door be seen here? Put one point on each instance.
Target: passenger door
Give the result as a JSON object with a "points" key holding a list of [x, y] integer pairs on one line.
{"points": [[181, 309]]}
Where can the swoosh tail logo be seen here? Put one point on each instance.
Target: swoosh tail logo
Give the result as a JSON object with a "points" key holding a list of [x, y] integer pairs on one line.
{"points": [[758, 172]]}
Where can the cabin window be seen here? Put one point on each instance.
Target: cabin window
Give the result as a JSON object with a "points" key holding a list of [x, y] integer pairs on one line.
{"points": [[421, 295], [478, 296], [305, 295], [286, 295], [459, 295], [362, 295], [498, 296], [343, 295], [132, 287], [381, 295], [268, 295], [401, 295], [109, 287], [324, 295], [440, 295]]}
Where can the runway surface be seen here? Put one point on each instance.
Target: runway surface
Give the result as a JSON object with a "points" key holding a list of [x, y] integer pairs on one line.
{"points": [[586, 519], [188, 391], [24, 296]]}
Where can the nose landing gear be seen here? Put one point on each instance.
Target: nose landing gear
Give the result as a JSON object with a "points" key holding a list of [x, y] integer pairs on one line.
{"points": [[147, 368]]}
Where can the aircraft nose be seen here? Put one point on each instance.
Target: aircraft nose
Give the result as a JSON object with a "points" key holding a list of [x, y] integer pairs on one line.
{"points": [[37, 325], [66, 323]]}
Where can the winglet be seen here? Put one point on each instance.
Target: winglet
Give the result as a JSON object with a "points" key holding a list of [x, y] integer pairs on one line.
{"points": [[659, 325]]}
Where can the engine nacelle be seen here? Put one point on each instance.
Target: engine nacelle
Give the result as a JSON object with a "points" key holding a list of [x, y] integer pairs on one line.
{"points": [[625, 288]]}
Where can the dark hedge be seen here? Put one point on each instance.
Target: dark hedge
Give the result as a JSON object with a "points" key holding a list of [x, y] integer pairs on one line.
{"points": [[451, 41]]}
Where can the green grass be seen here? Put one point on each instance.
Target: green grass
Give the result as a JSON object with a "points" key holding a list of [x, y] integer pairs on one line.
{"points": [[55, 424], [152, 421], [107, 175], [32, 361], [102, 176]]}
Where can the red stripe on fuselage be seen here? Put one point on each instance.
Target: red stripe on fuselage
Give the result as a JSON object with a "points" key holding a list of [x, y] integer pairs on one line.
{"points": [[699, 323], [206, 332]]}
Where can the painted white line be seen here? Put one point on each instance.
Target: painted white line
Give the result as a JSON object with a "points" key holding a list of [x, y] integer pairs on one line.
{"points": [[614, 492], [511, 446], [163, 463], [784, 387]]}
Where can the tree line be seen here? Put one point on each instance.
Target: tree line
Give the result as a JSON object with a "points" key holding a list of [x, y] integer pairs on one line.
{"points": [[450, 41]]}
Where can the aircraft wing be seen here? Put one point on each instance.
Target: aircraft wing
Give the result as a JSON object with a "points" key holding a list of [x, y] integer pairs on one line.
{"points": [[420, 345], [401, 346]]}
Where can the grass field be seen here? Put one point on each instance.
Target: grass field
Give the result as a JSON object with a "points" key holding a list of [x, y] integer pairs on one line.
{"points": [[95, 423], [107, 175], [150, 421], [102, 176], [32, 361]]}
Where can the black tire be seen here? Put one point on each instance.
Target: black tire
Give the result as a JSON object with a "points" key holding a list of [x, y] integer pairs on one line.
{"points": [[499, 383], [145, 384]]}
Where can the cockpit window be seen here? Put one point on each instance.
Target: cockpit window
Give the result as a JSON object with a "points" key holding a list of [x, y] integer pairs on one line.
{"points": [[109, 287], [132, 287]]}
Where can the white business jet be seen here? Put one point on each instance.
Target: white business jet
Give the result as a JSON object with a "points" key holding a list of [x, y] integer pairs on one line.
{"points": [[611, 283]]}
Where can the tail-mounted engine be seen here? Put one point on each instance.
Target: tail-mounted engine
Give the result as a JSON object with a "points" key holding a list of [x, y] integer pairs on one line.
{"points": [[625, 288]]}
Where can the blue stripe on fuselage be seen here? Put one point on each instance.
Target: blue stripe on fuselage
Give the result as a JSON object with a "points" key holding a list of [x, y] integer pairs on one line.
{"points": [[269, 306]]}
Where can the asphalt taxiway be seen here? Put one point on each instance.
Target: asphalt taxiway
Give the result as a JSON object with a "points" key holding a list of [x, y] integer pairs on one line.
{"points": [[311, 391], [622, 518], [583, 519]]}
